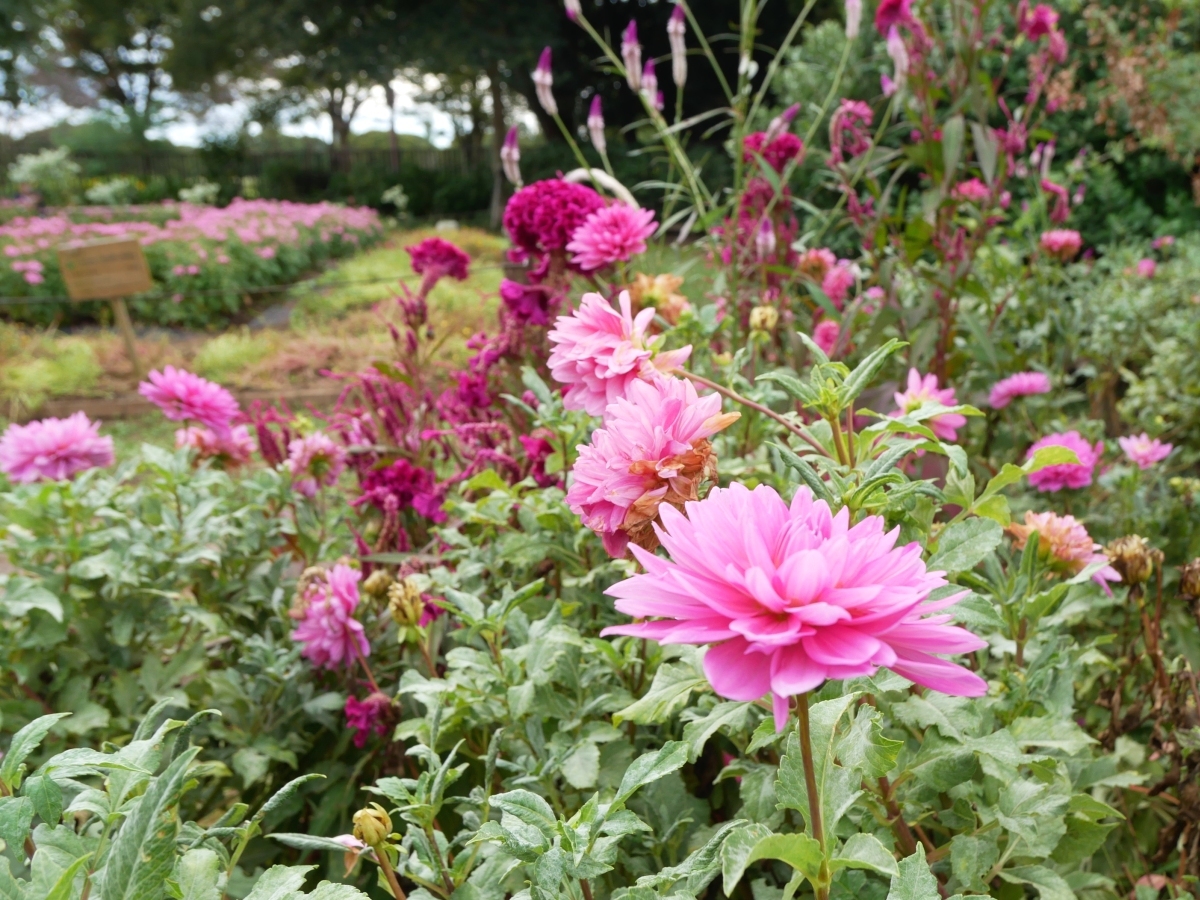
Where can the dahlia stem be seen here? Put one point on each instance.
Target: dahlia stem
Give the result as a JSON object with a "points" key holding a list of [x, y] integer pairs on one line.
{"points": [[814, 799], [389, 873], [757, 407]]}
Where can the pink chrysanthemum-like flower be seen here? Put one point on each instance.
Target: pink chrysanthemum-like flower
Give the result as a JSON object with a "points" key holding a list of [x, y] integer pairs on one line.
{"points": [[183, 396], [653, 449], [1143, 451], [332, 637], [1066, 475], [541, 217], [790, 596], [366, 716], [778, 152], [611, 234], [1023, 384], [315, 461], [1064, 543], [599, 352], [232, 450], [435, 255], [922, 390], [972, 190], [838, 281], [53, 449], [825, 335], [1146, 268], [1062, 243]]}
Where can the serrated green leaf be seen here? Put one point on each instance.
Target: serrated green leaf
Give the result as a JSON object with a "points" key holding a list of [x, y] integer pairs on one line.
{"points": [[964, 545], [581, 768], [529, 808], [1049, 884], [64, 888], [197, 874], [735, 853], [280, 883], [46, 796], [650, 767], [865, 851], [971, 858], [799, 851], [914, 880], [669, 693], [22, 744]]}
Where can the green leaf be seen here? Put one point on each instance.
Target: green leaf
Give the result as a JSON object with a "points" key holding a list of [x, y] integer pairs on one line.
{"points": [[805, 470], [307, 842], [964, 545], [280, 883], [281, 796], [143, 852], [650, 767], [986, 150], [16, 813], [799, 851], [970, 859], [23, 594], [1050, 885], [669, 692], [729, 714], [64, 888], [791, 383], [864, 373], [23, 743], [735, 853], [197, 874], [864, 747], [837, 786], [10, 888], [914, 880], [865, 851], [329, 891], [581, 768], [529, 808], [953, 131], [46, 796]]}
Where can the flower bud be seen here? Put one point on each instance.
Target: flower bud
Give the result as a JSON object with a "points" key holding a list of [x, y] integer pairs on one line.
{"points": [[631, 56], [595, 125], [574, 9], [377, 583], [372, 825], [510, 157], [405, 602], [676, 29], [781, 123], [764, 318], [1189, 580], [764, 239], [1133, 558], [853, 18], [649, 81], [543, 81]]}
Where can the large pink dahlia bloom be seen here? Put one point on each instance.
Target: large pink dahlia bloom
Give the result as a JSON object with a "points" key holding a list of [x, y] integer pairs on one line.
{"points": [[331, 636], [315, 461], [924, 389], [598, 352], [1066, 475], [790, 596], [653, 449], [53, 449], [183, 396], [611, 234]]}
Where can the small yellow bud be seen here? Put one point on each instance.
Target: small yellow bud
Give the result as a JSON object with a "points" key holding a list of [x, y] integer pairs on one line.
{"points": [[1133, 558], [377, 583], [372, 825], [405, 602], [764, 318], [1189, 580]]}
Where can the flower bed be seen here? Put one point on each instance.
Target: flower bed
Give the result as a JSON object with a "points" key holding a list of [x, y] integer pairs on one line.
{"points": [[206, 261]]}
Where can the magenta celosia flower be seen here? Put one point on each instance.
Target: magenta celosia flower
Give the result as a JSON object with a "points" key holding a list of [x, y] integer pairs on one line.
{"points": [[315, 461], [838, 281], [542, 217], [331, 636], [924, 389], [53, 449], [183, 396], [653, 449], [897, 50], [528, 304], [611, 234], [790, 596], [849, 134], [401, 486], [1037, 22], [435, 256], [1061, 211], [777, 152], [825, 335], [366, 716], [1066, 475], [972, 190], [1023, 384], [599, 352], [1062, 243], [676, 29], [231, 450], [1146, 268], [1064, 543], [890, 13], [1143, 451]]}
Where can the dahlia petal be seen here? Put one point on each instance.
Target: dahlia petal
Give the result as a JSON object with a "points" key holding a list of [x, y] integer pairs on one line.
{"points": [[781, 707], [794, 672], [939, 674], [837, 645], [736, 674]]}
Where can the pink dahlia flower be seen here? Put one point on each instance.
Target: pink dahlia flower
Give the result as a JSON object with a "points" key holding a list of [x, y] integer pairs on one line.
{"points": [[653, 449], [315, 461], [790, 596], [1022, 384], [1065, 544], [331, 636], [778, 152], [599, 352], [366, 716], [611, 234], [1062, 243], [53, 449], [922, 390], [972, 190], [1143, 451], [232, 450], [183, 396], [825, 335], [1146, 268], [1066, 475], [435, 256], [837, 282]]}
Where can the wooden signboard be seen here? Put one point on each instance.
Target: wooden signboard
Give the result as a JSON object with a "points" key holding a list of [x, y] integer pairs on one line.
{"points": [[108, 270]]}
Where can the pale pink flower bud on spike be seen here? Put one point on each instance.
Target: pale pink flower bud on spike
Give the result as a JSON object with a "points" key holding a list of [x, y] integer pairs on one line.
{"points": [[764, 240], [853, 18], [659, 102], [676, 29], [649, 81], [899, 54], [595, 126], [780, 123], [574, 10], [543, 81], [510, 157], [631, 54]]}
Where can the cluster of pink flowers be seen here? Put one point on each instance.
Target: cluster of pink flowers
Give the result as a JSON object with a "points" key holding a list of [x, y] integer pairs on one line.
{"points": [[1062, 243], [924, 389], [30, 269], [598, 352], [1065, 544], [53, 449], [1066, 475], [777, 150], [366, 717], [229, 451], [652, 450], [315, 461], [789, 596], [1023, 384], [331, 636], [1143, 451], [972, 190], [849, 130], [542, 217], [611, 234], [185, 397], [1042, 22], [400, 486]]}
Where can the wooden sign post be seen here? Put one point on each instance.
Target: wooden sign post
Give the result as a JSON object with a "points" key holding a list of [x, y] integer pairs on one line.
{"points": [[108, 270]]}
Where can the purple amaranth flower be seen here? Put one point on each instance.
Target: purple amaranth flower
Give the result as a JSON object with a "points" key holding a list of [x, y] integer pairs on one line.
{"points": [[510, 157], [574, 9], [631, 55], [543, 81], [676, 29], [595, 126]]}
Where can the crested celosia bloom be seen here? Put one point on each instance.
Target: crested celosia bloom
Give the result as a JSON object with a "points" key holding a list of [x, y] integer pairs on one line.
{"points": [[1037, 22], [331, 636], [611, 234], [838, 281], [653, 449], [53, 449], [848, 130], [924, 389], [401, 486], [1062, 243], [542, 217], [790, 596], [972, 190], [890, 13], [366, 716], [231, 450], [778, 152], [435, 256], [183, 396], [528, 303], [598, 352], [1023, 384], [649, 81], [1066, 475], [1064, 543], [315, 461], [1143, 451]]}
